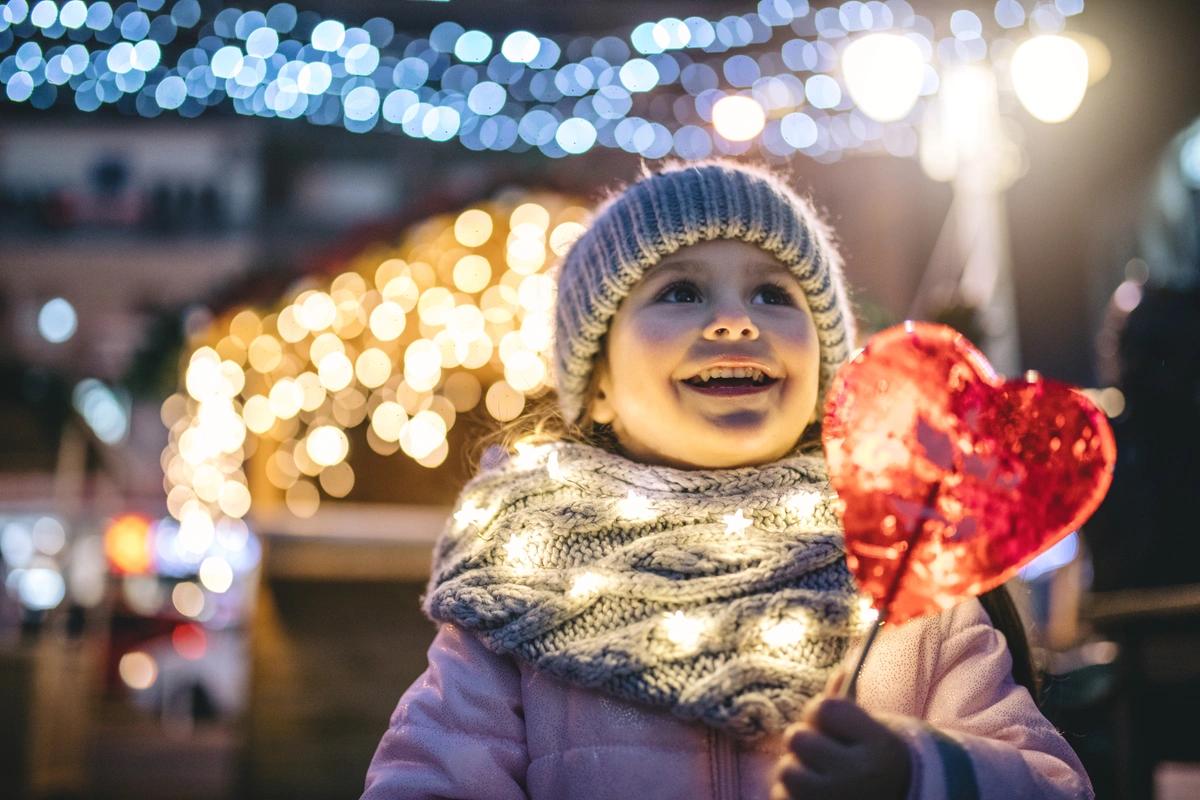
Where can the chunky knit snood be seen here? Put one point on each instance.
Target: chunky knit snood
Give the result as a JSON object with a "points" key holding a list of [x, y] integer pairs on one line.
{"points": [[721, 595]]}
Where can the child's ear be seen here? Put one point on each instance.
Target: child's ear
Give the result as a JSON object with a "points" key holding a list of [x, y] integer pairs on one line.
{"points": [[602, 410]]}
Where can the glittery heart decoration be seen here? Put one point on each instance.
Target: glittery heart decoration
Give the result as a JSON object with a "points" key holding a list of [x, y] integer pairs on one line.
{"points": [[952, 478]]}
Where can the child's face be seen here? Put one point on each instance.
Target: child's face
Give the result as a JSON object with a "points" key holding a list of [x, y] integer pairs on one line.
{"points": [[724, 305]]}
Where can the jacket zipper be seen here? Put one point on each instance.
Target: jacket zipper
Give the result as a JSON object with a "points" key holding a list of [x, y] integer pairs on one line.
{"points": [[723, 766]]}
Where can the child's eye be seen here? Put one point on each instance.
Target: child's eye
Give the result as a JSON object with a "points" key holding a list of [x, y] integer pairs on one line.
{"points": [[680, 292], [773, 294]]}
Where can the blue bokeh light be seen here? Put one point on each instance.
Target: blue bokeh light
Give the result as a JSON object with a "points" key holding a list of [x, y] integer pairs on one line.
{"points": [[44, 14], [185, 13], [456, 83], [576, 135], [823, 91], [20, 87], [520, 47], [487, 98], [361, 103], [29, 56], [328, 35], [225, 62], [314, 78], [262, 42], [639, 75], [73, 14], [473, 47], [362, 59]]}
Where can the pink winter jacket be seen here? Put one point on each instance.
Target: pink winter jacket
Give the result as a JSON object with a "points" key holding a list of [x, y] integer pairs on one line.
{"points": [[479, 725]]}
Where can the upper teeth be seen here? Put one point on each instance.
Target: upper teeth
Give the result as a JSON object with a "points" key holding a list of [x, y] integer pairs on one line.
{"points": [[731, 372]]}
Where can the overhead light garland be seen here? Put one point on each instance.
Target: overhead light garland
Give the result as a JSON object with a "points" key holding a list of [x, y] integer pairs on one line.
{"points": [[456, 315], [656, 92]]}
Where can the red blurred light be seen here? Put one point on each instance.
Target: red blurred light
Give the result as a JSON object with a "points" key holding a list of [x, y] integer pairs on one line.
{"points": [[190, 641]]}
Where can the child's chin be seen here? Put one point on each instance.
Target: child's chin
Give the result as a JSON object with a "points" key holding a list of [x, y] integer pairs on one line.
{"points": [[732, 447]]}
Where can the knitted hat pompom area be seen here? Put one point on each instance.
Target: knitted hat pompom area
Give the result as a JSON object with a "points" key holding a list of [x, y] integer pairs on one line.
{"points": [[675, 206]]}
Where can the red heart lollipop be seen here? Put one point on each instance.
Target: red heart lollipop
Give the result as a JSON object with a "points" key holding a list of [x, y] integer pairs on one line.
{"points": [[952, 478]]}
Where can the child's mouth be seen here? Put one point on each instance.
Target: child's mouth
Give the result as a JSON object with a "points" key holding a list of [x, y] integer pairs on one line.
{"points": [[730, 386]]}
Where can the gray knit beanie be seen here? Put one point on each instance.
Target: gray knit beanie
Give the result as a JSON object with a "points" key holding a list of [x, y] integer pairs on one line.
{"points": [[681, 205]]}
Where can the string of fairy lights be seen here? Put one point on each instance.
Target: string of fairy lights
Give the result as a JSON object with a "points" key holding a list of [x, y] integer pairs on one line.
{"points": [[654, 92], [458, 314]]}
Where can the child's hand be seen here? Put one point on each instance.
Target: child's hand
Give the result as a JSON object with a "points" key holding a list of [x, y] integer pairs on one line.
{"points": [[839, 750]]}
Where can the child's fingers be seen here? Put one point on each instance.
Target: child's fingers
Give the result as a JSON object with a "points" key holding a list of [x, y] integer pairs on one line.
{"points": [[799, 780], [841, 719], [817, 751], [837, 678]]}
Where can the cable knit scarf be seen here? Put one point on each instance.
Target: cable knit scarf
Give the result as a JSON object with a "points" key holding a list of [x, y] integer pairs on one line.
{"points": [[721, 595]]}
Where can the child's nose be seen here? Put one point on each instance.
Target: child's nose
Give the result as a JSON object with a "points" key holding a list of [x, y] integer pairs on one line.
{"points": [[732, 325]]}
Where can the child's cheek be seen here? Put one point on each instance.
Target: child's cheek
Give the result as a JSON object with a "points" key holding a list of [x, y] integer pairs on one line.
{"points": [[655, 329]]}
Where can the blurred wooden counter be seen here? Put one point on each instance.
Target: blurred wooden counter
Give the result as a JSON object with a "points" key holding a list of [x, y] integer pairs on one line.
{"points": [[337, 636], [1157, 696]]}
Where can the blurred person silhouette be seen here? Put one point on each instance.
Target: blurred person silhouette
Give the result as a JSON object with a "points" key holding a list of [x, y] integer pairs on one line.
{"points": [[1144, 534], [1141, 708]]}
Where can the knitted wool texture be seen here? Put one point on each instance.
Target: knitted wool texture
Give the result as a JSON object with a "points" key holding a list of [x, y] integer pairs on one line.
{"points": [[589, 566], [676, 207]]}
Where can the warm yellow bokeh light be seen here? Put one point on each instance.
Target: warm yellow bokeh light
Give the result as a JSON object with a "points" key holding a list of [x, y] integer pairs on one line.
{"points": [[327, 445], [388, 419], [207, 480], [265, 353], [303, 461], [504, 402], [473, 227], [738, 118], [312, 392], [436, 457], [422, 365], [285, 398], [526, 255], [138, 670], [373, 367], [463, 390], [245, 326], [234, 499], [472, 273], [387, 321], [338, 480], [317, 312], [302, 499], [127, 544], [533, 214], [536, 293], [258, 415], [884, 73], [537, 331], [203, 379], [188, 599], [403, 291], [388, 270], [1050, 76], [216, 574], [423, 433], [564, 235], [324, 345], [290, 329], [476, 316], [335, 372], [436, 305], [524, 371]]}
